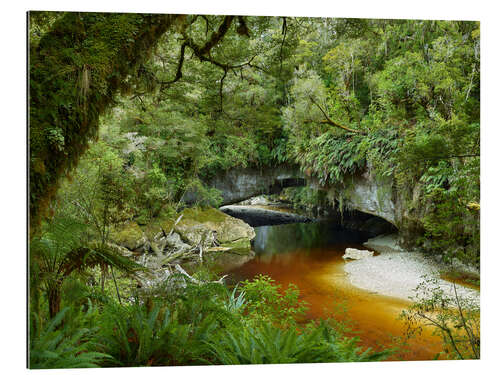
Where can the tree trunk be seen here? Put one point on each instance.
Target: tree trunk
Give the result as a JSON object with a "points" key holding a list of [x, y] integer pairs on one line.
{"points": [[75, 71], [54, 299], [116, 286]]}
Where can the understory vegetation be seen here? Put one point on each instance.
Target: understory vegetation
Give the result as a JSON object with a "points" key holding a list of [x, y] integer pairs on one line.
{"points": [[132, 115], [454, 318], [198, 324]]}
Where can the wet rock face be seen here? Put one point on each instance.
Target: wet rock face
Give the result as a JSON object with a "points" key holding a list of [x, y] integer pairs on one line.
{"points": [[239, 184], [257, 216], [363, 192], [371, 195]]}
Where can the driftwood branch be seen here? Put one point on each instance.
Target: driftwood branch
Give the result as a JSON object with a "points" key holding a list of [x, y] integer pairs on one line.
{"points": [[173, 226], [194, 280]]}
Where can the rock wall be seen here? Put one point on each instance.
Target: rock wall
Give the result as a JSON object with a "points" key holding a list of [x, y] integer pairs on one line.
{"points": [[368, 194], [363, 192], [243, 183]]}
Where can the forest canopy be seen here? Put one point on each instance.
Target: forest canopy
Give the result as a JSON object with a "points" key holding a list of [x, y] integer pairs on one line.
{"points": [[208, 93]]}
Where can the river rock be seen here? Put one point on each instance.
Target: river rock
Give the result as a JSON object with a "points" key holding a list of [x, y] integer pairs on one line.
{"points": [[356, 254], [212, 227]]}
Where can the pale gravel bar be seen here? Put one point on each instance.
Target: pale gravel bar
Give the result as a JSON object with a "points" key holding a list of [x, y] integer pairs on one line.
{"points": [[396, 273]]}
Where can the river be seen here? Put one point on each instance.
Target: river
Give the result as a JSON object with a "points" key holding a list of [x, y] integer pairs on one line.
{"points": [[309, 255]]}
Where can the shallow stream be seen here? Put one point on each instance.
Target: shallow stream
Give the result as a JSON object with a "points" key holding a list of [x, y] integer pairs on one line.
{"points": [[309, 255]]}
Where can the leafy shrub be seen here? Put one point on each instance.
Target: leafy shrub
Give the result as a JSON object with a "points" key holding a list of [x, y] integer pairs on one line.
{"points": [[266, 302], [332, 157]]}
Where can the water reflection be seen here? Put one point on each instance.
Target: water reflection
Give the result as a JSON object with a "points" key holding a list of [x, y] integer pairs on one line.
{"points": [[278, 239]]}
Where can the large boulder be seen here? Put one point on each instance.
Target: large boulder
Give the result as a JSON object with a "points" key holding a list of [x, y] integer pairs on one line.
{"points": [[209, 226]]}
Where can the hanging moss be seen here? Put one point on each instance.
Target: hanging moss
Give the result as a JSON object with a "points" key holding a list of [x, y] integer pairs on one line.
{"points": [[76, 69]]}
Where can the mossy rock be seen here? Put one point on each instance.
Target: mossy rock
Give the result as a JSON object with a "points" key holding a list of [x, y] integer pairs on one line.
{"points": [[197, 225], [203, 215], [130, 236], [159, 225]]}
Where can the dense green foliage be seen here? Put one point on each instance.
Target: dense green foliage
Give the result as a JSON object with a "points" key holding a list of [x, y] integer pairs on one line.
{"points": [[412, 89], [140, 111], [196, 325], [272, 90], [68, 346]]}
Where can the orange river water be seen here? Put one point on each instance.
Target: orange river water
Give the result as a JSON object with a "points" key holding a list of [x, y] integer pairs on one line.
{"points": [[310, 256]]}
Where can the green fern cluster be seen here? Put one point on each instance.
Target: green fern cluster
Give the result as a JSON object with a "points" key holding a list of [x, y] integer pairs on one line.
{"points": [[266, 344], [135, 337], [203, 324], [60, 345], [331, 157]]}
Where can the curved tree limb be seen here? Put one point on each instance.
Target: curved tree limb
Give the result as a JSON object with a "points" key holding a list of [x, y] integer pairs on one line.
{"points": [[203, 52], [329, 121], [216, 36], [178, 74], [284, 30], [55, 105]]}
